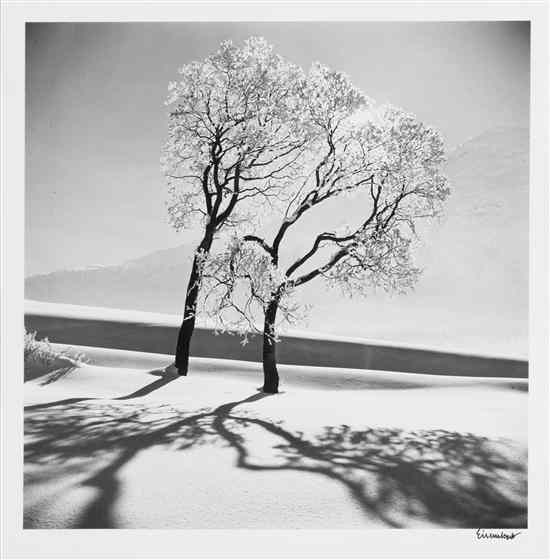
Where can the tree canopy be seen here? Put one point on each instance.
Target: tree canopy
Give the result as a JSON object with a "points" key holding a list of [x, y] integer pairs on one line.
{"points": [[235, 133], [354, 147]]}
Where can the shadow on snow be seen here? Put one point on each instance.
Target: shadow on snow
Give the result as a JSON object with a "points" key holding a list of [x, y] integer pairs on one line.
{"points": [[449, 478]]}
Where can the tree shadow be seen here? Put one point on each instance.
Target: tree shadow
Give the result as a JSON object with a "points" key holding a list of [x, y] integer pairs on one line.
{"points": [[398, 477], [164, 379]]}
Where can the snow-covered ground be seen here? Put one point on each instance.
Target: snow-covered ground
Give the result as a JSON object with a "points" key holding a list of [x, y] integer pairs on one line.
{"points": [[119, 443]]}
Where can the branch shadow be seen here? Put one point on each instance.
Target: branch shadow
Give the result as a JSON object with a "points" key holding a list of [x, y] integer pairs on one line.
{"points": [[395, 476], [48, 369]]}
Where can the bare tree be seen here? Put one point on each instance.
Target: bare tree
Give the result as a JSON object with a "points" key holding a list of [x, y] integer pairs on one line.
{"points": [[234, 137], [383, 155]]}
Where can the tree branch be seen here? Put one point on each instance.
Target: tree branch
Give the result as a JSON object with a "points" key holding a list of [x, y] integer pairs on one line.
{"points": [[233, 200], [322, 269], [207, 195]]}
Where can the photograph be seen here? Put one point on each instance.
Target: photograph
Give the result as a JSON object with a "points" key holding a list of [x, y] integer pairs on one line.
{"points": [[277, 276]]}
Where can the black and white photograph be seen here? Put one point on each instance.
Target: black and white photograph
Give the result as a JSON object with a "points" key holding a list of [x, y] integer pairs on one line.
{"points": [[277, 275]]}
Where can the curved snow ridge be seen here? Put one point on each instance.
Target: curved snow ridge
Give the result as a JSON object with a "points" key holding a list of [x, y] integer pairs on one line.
{"points": [[314, 335], [310, 376], [70, 311]]}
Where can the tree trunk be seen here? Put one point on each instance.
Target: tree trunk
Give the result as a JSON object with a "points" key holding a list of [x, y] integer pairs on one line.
{"points": [[271, 375], [190, 309]]}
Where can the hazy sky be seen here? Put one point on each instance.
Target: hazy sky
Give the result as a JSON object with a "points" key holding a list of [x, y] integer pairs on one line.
{"points": [[96, 118]]}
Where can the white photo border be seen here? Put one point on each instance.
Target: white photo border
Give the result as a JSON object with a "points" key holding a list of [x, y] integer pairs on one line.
{"points": [[448, 543]]}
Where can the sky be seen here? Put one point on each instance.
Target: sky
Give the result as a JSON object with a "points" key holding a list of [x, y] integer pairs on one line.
{"points": [[95, 114]]}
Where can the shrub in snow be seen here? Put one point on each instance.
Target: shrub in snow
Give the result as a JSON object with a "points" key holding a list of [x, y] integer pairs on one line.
{"points": [[41, 358]]}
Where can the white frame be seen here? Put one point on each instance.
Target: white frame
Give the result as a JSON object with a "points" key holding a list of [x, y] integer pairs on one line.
{"points": [[19, 543]]}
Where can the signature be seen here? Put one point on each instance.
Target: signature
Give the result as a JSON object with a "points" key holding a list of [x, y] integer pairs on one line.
{"points": [[496, 534]]}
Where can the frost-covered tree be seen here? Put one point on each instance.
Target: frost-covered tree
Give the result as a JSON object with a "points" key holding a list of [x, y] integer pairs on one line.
{"points": [[235, 137], [384, 157]]}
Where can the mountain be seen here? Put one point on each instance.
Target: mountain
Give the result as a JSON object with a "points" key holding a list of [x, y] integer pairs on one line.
{"points": [[483, 242], [473, 294], [155, 282]]}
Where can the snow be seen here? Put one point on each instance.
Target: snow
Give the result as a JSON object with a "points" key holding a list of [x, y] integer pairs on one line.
{"points": [[119, 443], [71, 311]]}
